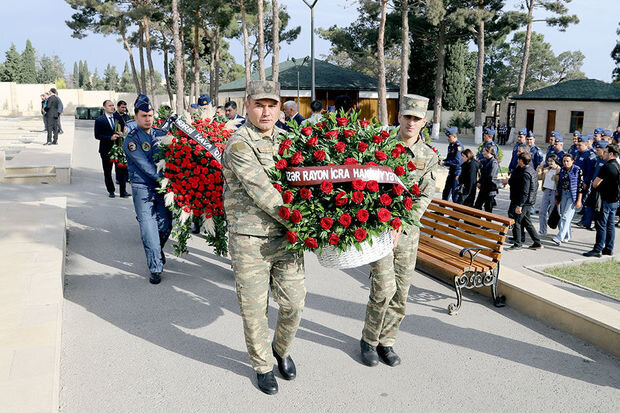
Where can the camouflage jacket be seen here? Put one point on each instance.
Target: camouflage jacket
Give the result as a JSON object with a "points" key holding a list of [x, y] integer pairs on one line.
{"points": [[426, 161], [250, 200]]}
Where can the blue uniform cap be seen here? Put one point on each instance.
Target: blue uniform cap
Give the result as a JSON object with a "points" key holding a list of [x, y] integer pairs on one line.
{"points": [[523, 131], [143, 103], [452, 131], [585, 138], [607, 132], [489, 131], [556, 135], [577, 133], [193, 106], [530, 134], [600, 144], [598, 131], [204, 100]]}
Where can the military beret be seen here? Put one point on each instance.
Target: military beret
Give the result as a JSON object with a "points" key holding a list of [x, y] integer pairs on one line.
{"points": [[530, 134], [600, 144], [598, 131], [489, 131], [204, 100], [264, 89], [143, 103], [523, 131], [452, 131], [607, 132], [413, 105], [577, 133]]}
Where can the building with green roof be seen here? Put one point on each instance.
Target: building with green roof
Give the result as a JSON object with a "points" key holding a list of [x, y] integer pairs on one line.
{"points": [[582, 104], [330, 81]]}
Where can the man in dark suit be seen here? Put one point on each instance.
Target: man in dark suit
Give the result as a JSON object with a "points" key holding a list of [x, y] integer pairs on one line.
{"points": [[52, 113], [108, 128], [291, 112]]}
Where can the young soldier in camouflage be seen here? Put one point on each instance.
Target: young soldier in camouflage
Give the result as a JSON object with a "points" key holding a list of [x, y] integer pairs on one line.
{"points": [[257, 242], [392, 275]]}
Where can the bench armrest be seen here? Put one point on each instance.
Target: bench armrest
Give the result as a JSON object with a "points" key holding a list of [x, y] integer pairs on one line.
{"points": [[473, 255]]}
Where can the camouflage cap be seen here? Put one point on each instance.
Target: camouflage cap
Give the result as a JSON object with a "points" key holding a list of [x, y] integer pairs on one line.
{"points": [[264, 89], [414, 105]]}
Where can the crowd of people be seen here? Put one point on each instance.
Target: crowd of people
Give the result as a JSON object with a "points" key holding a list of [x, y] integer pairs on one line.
{"points": [[584, 177]]}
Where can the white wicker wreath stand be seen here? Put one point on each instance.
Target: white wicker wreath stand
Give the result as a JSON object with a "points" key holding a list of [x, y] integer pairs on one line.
{"points": [[330, 257]]}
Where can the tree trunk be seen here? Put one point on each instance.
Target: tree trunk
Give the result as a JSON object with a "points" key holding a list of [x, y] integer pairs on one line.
{"points": [[134, 73], [178, 57], [479, 73], [441, 53], [218, 38], [149, 59], [526, 48], [212, 58], [166, 63], [261, 40], [246, 47], [182, 35], [196, 63], [275, 59], [141, 52], [382, 104], [404, 59]]}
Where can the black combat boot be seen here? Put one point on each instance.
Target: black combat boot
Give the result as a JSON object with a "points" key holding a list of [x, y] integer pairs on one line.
{"points": [[369, 354], [286, 366], [267, 383], [388, 356]]}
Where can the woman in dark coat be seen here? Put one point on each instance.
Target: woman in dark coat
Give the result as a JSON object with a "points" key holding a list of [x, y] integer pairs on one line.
{"points": [[488, 176], [468, 177]]}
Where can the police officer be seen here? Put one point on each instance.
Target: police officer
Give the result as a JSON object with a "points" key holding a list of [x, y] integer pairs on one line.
{"points": [[257, 241], [453, 161], [392, 275], [537, 154], [590, 201], [573, 148], [557, 147], [607, 136], [520, 141], [586, 160], [597, 135], [154, 218], [487, 140]]}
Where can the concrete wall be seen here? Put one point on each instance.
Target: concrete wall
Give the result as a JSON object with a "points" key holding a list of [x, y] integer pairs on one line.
{"points": [[595, 115], [24, 99]]}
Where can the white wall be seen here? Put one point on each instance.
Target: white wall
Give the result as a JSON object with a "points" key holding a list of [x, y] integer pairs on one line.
{"points": [[595, 115], [24, 99]]}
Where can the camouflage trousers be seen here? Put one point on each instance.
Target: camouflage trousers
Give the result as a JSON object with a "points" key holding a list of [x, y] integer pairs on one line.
{"points": [[261, 264], [390, 280]]}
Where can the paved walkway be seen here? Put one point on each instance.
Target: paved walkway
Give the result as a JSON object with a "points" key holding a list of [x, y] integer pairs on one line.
{"points": [[128, 346]]}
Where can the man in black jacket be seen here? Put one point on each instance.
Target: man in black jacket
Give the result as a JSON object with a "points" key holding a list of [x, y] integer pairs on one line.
{"points": [[106, 132], [523, 187], [52, 113]]}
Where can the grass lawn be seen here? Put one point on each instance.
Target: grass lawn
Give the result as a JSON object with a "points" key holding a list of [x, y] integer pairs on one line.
{"points": [[599, 276]]}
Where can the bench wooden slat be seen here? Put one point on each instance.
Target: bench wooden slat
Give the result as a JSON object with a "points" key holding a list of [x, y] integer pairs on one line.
{"points": [[468, 218], [442, 246], [462, 234], [452, 259], [474, 211], [457, 241], [460, 224], [438, 263]]}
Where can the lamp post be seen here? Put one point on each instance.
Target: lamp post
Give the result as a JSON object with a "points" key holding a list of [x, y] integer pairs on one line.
{"points": [[298, 66], [311, 5]]}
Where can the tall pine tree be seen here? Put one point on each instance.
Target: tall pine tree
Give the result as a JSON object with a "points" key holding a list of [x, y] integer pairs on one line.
{"points": [[455, 87], [110, 78], [12, 63], [126, 84], [28, 69], [76, 76]]}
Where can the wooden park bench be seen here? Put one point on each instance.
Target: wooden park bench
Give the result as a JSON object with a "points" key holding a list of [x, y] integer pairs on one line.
{"points": [[464, 245]]}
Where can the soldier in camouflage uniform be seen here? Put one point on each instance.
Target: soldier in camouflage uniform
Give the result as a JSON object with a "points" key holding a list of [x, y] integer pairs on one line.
{"points": [[257, 238], [391, 276]]}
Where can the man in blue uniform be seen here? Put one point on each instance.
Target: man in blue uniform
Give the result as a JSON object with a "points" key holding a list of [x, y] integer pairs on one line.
{"points": [[573, 148], [515, 155], [487, 140], [607, 136], [586, 160], [537, 154], [155, 219], [597, 135], [452, 161], [557, 148], [599, 162]]}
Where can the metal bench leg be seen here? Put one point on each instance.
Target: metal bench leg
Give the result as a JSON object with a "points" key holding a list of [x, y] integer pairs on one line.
{"points": [[498, 301], [453, 309]]}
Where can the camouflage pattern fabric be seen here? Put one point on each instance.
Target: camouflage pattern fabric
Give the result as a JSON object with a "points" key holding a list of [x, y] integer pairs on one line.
{"points": [[414, 105], [261, 263], [257, 246], [250, 200], [391, 276]]}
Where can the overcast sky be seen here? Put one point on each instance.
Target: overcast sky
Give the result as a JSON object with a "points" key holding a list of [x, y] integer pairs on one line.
{"points": [[43, 22]]}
